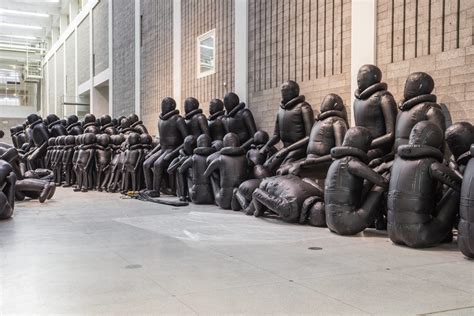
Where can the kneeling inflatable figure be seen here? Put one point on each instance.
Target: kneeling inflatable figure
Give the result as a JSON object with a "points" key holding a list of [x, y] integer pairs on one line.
{"points": [[418, 215]]}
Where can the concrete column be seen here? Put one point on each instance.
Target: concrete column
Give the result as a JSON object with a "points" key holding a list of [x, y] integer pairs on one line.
{"points": [[62, 23], [111, 60], [363, 45], [73, 10], [138, 32], [177, 51], [241, 41]]}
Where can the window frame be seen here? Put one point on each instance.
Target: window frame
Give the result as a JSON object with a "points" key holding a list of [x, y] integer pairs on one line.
{"points": [[200, 38]]}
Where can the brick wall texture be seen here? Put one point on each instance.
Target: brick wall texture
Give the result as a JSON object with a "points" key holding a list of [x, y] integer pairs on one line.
{"points": [[417, 36], [101, 36], [83, 51], [199, 17], [303, 40], [156, 54], [123, 57]]}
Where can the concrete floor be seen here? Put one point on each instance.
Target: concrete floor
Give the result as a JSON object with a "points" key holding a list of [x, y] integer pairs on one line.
{"points": [[93, 252]]}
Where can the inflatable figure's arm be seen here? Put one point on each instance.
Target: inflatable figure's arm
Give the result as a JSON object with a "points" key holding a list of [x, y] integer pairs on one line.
{"points": [[182, 127], [89, 159], [297, 145], [214, 165], [173, 152], [38, 151], [389, 110], [443, 174], [315, 185], [175, 163], [340, 129], [139, 159], [274, 139], [245, 146], [153, 151], [186, 165], [361, 170], [308, 118], [435, 115]]}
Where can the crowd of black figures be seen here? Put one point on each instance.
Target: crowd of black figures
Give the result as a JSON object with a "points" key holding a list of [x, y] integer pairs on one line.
{"points": [[400, 168]]}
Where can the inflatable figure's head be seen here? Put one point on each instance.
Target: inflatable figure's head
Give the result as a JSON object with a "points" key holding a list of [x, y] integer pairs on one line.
{"points": [[332, 102], [260, 137], [418, 83], [459, 138], [231, 100], [72, 119], [358, 137], [167, 105], [103, 140], [70, 140], [289, 91], [231, 140], [133, 139], [215, 105], [105, 119], [190, 104], [90, 138], [204, 141], [189, 144], [367, 76], [426, 133], [146, 139]]}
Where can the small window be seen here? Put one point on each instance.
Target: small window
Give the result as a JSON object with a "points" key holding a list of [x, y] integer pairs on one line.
{"points": [[206, 54]]}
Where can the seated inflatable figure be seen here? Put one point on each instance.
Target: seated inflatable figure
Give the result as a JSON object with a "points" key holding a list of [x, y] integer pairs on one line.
{"points": [[116, 163], [107, 126], [255, 160], [124, 127], [55, 126], [85, 161], [136, 124], [172, 130], [418, 216], [460, 139], [49, 152], [200, 190], [18, 136], [232, 167], [196, 122], [418, 105], [66, 161], [57, 165], [7, 192], [31, 184], [73, 126], [39, 141], [376, 110], [183, 180], [90, 124], [147, 143], [215, 119], [131, 164], [293, 125], [103, 157], [239, 120], [327, 132], [215, 178], [353, 192]]}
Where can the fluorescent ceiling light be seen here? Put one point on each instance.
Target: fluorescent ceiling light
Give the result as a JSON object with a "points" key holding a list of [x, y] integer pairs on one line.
{"points": [[20, 36], [17, 12], [21, 26]]}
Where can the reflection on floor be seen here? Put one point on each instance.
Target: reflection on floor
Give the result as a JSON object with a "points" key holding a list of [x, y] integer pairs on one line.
{"points": [[97, 253]]}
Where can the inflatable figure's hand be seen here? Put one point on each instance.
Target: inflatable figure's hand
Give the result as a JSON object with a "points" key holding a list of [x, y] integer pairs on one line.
{"points": [[296, 169], [281, 153], [375, 162]]}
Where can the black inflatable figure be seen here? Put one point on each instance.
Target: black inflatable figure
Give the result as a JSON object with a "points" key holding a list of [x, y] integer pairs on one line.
{"points": [[116, 163], [172, 130], [293, 125], [183, 179], [106, 125], [49, 152], [351, 203], [18, 136], [90, 124], [55, 126], [232, 167], [7, 190], [74, 127], [466, 210], [133, 157], [85, 162], [103, 157], [239, 120], [376, 110], [327, 132], [39, 140], [124, 126], [68, 153], [196, 122], [75, 156], [418, 216], [57, 165], [215, 178], [215, 119], [255, 159], [136, 124], [200, 191], [284, 196], [418, 104], [460, 139]]}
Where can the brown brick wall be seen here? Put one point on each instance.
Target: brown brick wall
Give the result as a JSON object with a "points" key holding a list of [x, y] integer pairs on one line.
{"points": [[299, 40], [156, 59], [446, 52], [199, 17]]}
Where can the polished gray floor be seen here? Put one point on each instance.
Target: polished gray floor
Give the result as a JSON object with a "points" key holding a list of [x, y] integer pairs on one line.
{"points": [[95, 253]]}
